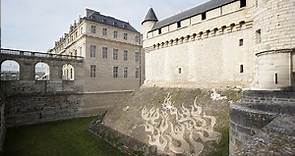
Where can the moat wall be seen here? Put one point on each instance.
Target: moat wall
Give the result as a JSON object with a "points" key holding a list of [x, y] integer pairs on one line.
{"points": [[32, 102], [261, 115]]}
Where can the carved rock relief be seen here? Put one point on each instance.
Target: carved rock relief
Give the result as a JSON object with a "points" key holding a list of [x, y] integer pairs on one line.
{"points": [[178, 130]]}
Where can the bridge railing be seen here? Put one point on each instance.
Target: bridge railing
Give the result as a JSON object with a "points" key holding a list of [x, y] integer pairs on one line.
{"points": [[39, 54]]}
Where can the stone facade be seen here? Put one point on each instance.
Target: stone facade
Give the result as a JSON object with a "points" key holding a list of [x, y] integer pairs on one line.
{"points": [[263, 117], [219, 50], [103, 42], [38, 108]]}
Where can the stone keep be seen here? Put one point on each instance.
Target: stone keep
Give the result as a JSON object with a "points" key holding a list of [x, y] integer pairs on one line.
{"points": [[223, 43]]}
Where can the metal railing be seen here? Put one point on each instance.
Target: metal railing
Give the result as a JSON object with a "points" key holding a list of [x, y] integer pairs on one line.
{"points": [[39, 54]]}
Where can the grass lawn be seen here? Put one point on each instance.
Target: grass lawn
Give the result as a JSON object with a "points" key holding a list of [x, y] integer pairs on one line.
{"points": [[62, 138]]}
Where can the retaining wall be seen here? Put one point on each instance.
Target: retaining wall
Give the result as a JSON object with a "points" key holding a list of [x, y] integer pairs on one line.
{"points": [[256, 111], [33, 109]]}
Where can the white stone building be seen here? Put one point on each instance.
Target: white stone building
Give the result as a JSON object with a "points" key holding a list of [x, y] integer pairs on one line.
{"points": [[247, 43], [111, 49]]}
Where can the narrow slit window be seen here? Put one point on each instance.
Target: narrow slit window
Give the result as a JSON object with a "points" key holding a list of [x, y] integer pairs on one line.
{"points": [[241, 42], [179, 70], [258, 36], [160, 31], [276, 78], [241, 68]]}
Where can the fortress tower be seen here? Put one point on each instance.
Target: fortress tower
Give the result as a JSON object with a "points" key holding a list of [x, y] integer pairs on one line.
{"points": [[149, 21], [274, 22]]}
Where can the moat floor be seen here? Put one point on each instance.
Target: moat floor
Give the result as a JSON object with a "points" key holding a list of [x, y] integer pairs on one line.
{"points": [[62, 138]]}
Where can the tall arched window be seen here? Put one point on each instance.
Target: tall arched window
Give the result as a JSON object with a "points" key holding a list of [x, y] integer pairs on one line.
{"points": [[68, 72], [42, 71], [10, 70]]}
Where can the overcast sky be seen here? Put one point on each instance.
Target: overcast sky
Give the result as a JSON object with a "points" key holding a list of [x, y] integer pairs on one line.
{"points": [[36, 24]]}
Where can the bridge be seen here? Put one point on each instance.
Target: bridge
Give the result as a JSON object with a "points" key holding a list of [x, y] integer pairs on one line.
{"points": [[28, 59]]}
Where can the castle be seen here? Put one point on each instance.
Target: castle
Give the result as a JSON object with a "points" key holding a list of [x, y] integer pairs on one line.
{"points": [[246, 43]]}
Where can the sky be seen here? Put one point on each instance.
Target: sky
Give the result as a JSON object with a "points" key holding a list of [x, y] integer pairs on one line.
{"points": [[36, 24]]}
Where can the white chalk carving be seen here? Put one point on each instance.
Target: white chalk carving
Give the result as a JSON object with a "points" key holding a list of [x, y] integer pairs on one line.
{"points": [[179, 130]]}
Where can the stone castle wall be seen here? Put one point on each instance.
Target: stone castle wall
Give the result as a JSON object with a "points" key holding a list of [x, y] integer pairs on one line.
{"points": [[275, 44], [2, 122], [208, 52], [32, 109], [254, 114], [31, 102]]}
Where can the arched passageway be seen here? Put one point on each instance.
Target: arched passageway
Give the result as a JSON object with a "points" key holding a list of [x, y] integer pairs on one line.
{"points": [[42, 71], [10, 70]]}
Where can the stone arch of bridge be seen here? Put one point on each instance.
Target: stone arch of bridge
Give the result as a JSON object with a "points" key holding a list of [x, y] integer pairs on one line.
{"points": [[10, 70]]}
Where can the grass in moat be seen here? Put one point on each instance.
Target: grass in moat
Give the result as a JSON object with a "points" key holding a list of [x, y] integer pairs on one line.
{"points": [[62, 138]]}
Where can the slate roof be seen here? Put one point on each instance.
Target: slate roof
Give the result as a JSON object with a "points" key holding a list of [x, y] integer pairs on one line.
{"points": [[150, 16], [99, 18], [192, 12]]}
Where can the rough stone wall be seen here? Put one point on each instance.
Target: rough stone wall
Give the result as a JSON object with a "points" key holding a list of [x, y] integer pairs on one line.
{"points": [[257, 110], [2, 122], [9, 88], [32, 109]]}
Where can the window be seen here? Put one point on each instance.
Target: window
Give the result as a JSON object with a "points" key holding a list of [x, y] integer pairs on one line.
{"points": [[115, 54], [258, 36], [160, 31], [92, 51], [241, 68], [137, 56], [115, 34], [93, 29], [179, 70], [125, 55], [81, 29], [125, 72], [104, 31], [105, 52], [276, 78], [137, 73], [204, 16], [241, 42], [179, 24], [115, 72], [243, 3], [71, 73], [92, 70], [137, 39], [80, 49], [125, 36]]}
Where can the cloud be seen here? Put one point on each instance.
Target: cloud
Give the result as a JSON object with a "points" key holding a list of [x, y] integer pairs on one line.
{"points": [[36, 24]]}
